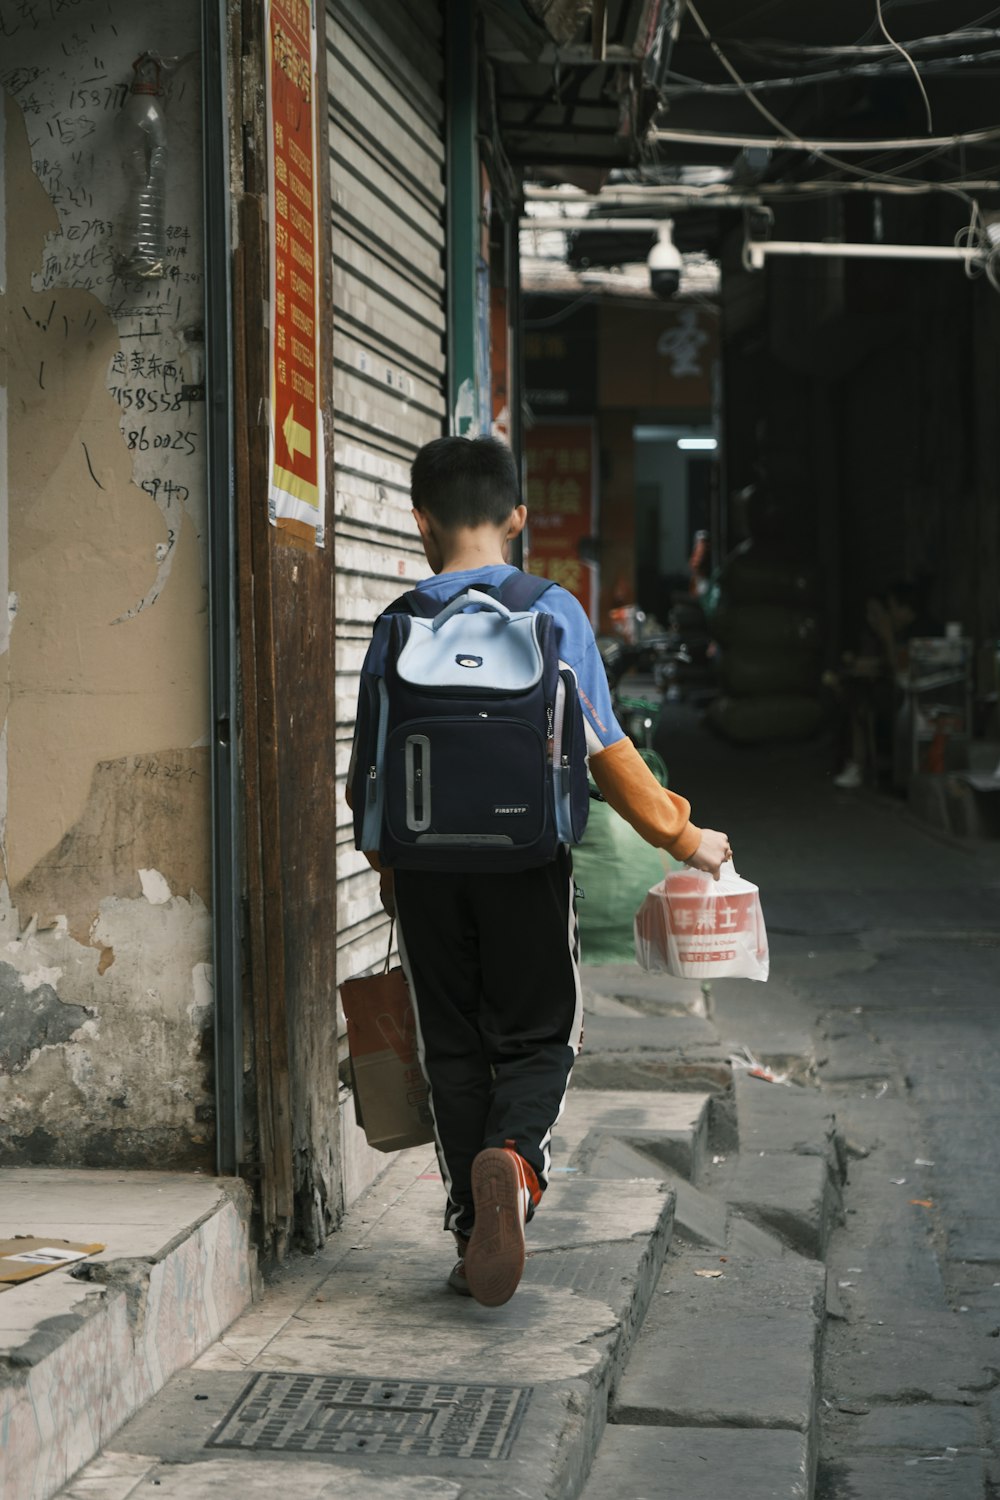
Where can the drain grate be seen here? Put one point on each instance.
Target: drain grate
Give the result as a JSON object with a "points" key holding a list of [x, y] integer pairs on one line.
{"points": [[412, 1418]]}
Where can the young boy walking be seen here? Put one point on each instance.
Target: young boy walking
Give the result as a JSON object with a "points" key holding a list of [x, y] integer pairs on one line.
{"points": [[491, 959]]}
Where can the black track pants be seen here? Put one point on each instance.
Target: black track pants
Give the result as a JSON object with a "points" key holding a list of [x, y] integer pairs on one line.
{"points": [[492, 966]]}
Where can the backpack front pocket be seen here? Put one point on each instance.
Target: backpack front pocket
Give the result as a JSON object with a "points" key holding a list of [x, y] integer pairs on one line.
{"points": [[466, 781]]}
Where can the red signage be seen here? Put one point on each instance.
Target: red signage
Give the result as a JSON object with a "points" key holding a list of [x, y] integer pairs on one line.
{"points": [[500, 362], [560, 498], [296, 470]]}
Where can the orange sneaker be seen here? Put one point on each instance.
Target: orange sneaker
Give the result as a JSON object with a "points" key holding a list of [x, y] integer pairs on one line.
{"points": [[503, 1187]]}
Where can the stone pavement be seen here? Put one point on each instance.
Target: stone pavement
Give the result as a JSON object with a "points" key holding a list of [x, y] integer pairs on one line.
{"points": [[676, 1335], [885, 941], [654, 1299]]}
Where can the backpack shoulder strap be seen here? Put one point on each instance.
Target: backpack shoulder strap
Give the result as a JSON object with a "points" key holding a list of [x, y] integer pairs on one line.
{"points": [[522, 590], [414, 603]]}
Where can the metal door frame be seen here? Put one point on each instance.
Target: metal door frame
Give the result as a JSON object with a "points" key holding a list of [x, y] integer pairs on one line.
{"points": [[226, 814]]}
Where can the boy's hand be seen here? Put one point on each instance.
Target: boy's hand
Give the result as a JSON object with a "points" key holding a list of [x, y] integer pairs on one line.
{"points": [[712, 853]]}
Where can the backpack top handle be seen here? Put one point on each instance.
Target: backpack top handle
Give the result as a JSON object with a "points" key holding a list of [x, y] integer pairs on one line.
{"points": [[462, 601]]}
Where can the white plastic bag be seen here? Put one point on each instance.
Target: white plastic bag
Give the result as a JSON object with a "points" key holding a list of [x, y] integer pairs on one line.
{"points": [[695, 927]]}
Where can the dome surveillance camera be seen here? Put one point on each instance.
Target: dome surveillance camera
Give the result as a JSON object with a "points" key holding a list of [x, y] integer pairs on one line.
{"points": [[664, 264], [664, 283]]}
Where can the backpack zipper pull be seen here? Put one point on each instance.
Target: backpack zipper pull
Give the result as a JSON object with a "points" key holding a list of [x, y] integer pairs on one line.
{"points": [[550, 743], [564, 774], [372, 779]]}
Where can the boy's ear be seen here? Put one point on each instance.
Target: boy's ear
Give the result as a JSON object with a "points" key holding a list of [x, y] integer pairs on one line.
{"points": [[423, 522], [518, 517]]}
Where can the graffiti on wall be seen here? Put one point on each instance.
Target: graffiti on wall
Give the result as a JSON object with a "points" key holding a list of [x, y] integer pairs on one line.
{"points": [[69, 67], [106, 985]]}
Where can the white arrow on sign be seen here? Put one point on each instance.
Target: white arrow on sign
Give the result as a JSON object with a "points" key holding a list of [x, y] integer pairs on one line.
{"points": [[298, 439]]}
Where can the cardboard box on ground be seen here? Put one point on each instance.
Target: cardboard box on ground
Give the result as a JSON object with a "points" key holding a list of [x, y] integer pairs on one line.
{"points": [[24, 1257]]}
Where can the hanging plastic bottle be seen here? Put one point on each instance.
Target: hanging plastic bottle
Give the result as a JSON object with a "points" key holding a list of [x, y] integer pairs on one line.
{"points": [[143, 130]]}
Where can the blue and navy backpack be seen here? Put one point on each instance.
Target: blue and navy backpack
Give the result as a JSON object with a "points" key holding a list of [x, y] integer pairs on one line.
{"points": [[471, 750]]}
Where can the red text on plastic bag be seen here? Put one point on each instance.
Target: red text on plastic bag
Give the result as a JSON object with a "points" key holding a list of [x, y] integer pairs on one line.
{"points": [[695, 927]]}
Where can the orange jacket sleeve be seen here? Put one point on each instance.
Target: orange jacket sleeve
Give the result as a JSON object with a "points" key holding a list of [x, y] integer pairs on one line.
{"points": [[660, 817]]}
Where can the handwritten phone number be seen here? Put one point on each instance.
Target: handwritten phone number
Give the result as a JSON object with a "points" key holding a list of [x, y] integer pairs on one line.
{"points": [[177, 441], [143, 399], [111, 96]]}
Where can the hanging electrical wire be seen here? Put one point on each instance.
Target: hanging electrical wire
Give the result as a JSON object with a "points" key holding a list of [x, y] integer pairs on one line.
{"points": [[869, 176], [830, 187], [563, 313], [774, 47], [910, 63], [976, 235], [821, 147], [687, 85], [892, 4], [790, 136], [907, 168]]}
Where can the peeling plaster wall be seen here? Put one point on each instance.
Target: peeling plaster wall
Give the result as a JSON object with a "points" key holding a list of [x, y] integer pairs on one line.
{"points": [[105, 939]]}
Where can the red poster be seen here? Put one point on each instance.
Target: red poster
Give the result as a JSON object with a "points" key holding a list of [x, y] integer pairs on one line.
{"points": [[295, 488], [560, 461], [500, 362]]}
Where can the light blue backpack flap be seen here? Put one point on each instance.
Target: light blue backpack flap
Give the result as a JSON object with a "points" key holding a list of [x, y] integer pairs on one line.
{"points": [[491, 649]]}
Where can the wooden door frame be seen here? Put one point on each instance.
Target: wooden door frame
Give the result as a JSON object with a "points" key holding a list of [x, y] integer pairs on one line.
{"points": [[288, 977]]}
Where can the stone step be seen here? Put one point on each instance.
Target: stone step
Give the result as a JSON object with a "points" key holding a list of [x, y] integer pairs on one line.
{"points": [[79, 1354], [788, 1195], [699, 1217], [669, 1127], [689, 1463], [785, 1181], [769, 1018], [701, 1068], [630, 1031], [653, 994], [739, 1347], [648, 1043], [777, 1118]]}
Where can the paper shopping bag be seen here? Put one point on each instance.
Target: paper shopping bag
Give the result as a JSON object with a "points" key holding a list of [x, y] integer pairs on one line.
{"points": [[695, 927], [390, 1089]]}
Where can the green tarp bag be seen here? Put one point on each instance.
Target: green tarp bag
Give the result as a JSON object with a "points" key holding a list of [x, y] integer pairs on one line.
{"points": [[614, 868]]}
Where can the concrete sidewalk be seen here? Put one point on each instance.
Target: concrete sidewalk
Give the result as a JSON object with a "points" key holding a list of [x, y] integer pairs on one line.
{"points": [[666, 1337], [361, 1364], [360, 1373]]}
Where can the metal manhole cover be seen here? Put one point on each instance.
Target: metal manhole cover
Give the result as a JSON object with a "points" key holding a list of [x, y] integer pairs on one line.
{"points": [[414, 1418]]}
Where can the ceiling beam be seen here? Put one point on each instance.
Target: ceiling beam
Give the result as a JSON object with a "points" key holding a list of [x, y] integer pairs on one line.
{"points": [[756, 251], [571, 225], [676, 198]]}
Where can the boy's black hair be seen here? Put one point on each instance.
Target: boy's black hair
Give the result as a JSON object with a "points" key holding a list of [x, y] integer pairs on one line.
{"points": [[465, 482]]}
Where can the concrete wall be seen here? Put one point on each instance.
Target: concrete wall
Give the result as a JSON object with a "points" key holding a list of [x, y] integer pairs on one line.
{"points": [[105, 972]]}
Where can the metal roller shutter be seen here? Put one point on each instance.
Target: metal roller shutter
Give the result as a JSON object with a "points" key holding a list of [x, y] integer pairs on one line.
{"points": [[385, 68]]}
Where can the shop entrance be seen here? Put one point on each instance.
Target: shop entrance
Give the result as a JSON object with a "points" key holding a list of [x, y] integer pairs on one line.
{"points": [[674, 486]]}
